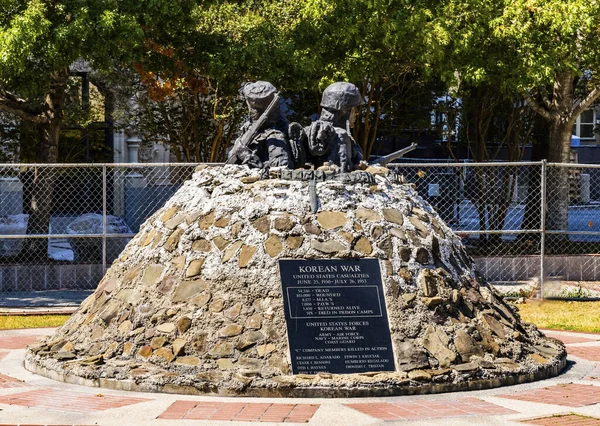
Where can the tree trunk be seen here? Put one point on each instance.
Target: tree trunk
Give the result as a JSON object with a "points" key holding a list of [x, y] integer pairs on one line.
{"points": [[557, 185], [42, 187]]}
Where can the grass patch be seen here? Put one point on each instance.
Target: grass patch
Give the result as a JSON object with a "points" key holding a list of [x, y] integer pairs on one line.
{"points": [[10, 322], [559, 315]]}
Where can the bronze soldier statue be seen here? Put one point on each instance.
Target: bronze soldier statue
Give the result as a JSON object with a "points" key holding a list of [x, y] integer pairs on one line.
{"points": [[264, 141], [329, 139]]}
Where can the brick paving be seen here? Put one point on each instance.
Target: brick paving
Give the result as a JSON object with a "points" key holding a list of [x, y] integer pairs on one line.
{"points": [[429, 409], [10, 382], [17, 342], [55, 399], [590, 353], [564, 420], [568, 339], [240, 411], [571, 395]]}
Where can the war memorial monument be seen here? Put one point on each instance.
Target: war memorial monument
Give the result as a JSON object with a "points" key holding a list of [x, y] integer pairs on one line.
{"points": [[297, 269]]}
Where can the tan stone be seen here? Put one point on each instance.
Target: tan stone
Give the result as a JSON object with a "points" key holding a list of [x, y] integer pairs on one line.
{"points": [[224, 364], [201, 245], [206, 221], [367, 214], [398, 233], [164, 353], [431, 302], [421, 228], [178, 346], [346, 236], [220, 242], [262, 224], [363, 246], [145, 351], [254, 322], [167, 327], [236, 228], [376, 232], [494, 325], [231, 251], [279, 363], [179, 262], [248, 339], [195, 268], [294, 242], [128, 348], [230, 330], [132, 274], [331, 219], [189, 288], [158, 342], [201, 299], [157, 239], [436, 342], [283, 224], [330, 246], [190, 361], [419, 375], [216, 305], [233, 312], [174, 221], [273, 245], [250, 179], [173, 240], [183, 324], [169, 214], [222, 222], [263, 350], [394, 216], [387, 247], [311, 228], [166, 285], [148, 238], [246, 255], [466, 346], [221, 350], [97, 333], [198, 342], [537, 358]]}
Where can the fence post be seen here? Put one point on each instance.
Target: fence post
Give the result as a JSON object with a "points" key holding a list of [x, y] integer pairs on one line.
{"points": [[104, 202], [542, 227]]}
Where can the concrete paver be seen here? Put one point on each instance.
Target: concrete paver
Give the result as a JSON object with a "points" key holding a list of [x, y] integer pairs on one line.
{"points": [[28, 399]]}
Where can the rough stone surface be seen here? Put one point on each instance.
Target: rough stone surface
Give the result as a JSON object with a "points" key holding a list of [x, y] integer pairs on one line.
{"points": [[194, 301]]}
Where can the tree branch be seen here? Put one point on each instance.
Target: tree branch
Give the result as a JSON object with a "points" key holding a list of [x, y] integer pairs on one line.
{"points": [[586, 102], [21, 108], [537, 107]]}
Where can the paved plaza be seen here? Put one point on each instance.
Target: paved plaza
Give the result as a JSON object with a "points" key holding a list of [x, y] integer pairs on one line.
{"points": [[573, 398]]}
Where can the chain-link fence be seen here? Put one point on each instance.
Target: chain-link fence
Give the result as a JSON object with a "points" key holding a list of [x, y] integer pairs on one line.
{"points": [[62, 225], [529, 226]]}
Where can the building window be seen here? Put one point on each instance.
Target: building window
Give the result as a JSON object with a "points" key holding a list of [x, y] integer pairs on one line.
{"points": [[584, 127]]}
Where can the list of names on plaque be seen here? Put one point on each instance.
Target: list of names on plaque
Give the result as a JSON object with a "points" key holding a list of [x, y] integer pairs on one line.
{"points": [[336, 316]]}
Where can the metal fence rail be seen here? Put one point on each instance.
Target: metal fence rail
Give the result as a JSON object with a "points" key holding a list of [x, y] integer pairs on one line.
{"points": [[525, 224]]}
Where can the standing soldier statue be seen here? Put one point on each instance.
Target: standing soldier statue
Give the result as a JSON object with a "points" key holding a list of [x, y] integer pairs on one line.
{"points": [[264, 141]]}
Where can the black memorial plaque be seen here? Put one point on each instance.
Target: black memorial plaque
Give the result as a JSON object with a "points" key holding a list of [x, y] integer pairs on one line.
{"points": [[336, 316]]}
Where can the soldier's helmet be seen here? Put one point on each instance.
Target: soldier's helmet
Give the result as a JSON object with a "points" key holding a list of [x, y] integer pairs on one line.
{"points": [[259, 94], [341, 96]]}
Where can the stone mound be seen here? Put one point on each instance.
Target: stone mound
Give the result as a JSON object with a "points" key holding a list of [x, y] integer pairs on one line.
{"points": [[194, 302]]}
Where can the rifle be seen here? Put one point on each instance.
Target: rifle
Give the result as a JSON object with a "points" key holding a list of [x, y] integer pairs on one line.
{"points": [[383, 161], [242, 143]]}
